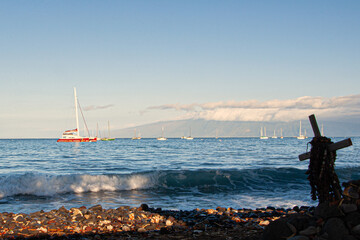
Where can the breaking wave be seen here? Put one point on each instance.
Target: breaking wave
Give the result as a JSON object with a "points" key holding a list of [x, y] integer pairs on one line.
{"points": [[206, 181]]}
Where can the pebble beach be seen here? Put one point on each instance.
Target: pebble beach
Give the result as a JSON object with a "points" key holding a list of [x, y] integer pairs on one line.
{"points": [[141, 222]]}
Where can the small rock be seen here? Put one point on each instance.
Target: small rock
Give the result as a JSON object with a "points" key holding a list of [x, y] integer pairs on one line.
{"points": [[144, 207], [308, 231], [96, 208], [335, 228], [347, 208], [278, 230], [169, 223], [264, 223], [299, 237], [324, 210], [126, 228], [356, 230]]}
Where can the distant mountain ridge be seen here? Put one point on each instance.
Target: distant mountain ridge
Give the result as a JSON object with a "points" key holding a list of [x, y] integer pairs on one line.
{"points": [[206, 128]]}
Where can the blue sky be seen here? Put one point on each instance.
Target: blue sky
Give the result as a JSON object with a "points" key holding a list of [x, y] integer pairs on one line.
{"points": [[137, 62]]}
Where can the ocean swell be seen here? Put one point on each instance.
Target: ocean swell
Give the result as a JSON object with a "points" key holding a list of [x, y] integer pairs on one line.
{"points": [[206, 181]]}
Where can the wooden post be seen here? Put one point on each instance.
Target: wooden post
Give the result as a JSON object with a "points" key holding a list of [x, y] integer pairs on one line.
{"points": [[324, 182]]}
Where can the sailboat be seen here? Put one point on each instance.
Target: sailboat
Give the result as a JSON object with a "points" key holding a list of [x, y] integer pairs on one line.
{"points": [[263, 133], [274, 136], [189, 137], [162, 138], [300, 135], [73, 135], [281, 136], [108, 138], [135, 136]]}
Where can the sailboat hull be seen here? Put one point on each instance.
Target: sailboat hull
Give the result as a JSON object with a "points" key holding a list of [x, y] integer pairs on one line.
{"points": [[107, 139], [76, 140]]}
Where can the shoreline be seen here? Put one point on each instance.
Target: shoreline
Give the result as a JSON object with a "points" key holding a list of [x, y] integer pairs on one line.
{"points": [[141, 222]]}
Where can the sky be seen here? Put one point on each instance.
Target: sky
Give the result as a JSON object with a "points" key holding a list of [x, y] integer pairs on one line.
{"points": [[138, 62]]}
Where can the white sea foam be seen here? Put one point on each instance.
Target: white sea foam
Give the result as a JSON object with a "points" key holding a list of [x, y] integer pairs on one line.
{"points": [[48, 185]]}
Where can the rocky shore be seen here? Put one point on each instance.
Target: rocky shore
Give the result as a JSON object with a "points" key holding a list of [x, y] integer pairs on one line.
{"points": [[335, 220], [140, 223]]}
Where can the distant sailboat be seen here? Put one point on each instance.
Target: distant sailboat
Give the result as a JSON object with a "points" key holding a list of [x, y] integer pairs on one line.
{"points": [[162, 138], [189, 137], [108, 138], [74, 134], [274, 136], [136, 137], [300, 135], [281, 134], [263, 133]]}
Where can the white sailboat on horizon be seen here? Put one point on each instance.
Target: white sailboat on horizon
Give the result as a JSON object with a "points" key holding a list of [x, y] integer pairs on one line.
{"points": [[162, 138], [263, 133], [274, 136], [300, 135]]}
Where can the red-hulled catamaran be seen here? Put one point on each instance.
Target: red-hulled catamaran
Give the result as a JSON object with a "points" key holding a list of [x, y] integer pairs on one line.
{"points": [[74, 134]]}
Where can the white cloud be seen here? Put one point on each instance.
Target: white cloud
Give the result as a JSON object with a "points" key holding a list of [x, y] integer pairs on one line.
{"points": [[272, 110], [92, 107]]}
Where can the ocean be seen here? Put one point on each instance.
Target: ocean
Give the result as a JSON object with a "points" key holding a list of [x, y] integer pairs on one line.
{"points": [[177, 174]]}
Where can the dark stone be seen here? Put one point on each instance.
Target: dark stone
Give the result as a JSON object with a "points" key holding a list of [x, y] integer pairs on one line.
{"points": [[296, 209], [335, 228], [221, 209], [300, 221], [164, 230], [325, 211], [352, 219], [96, 208], [144, 207], [277, 230]]}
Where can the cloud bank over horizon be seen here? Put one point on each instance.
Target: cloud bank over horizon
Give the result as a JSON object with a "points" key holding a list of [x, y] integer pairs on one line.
{"points": [[272, 110]]}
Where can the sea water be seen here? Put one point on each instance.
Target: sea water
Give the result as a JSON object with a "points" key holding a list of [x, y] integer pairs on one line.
{"points": [[41, 174]]}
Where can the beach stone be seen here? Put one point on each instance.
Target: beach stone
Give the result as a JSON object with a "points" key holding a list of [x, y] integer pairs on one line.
{"points": [[299, 237], [277, 230], [264, 223], [324, 210], [349, 237], [356, 230], [352, 219], [308, 231], [351, 192], [96, 208], [76, 212], [300, 221], [19, 218], [63, 210], [347, 208], [143, 207], [126, 228], [335, 228]]}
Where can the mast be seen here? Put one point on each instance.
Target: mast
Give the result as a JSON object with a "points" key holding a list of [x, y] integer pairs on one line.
{"points": [[300, 129], [109, 128], [76, 113]]}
